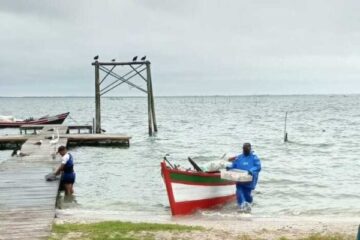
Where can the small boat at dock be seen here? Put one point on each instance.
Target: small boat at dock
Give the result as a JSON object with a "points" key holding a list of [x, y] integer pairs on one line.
{"points": [[11, 122], [191, 190]]}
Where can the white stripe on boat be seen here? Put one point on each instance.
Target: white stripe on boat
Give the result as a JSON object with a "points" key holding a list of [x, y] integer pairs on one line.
{"points": [[184, 192]]}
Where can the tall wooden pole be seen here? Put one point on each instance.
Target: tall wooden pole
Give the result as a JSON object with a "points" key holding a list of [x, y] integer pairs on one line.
{"points": [[97, 99], [148, 81], [152, 98], [285, 132]]}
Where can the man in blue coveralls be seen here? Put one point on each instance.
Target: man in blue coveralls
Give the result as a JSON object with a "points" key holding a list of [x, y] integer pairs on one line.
{"points": [[247, 161]]}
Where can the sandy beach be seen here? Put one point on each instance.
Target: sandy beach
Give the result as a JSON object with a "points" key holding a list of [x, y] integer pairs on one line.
{"points": [[219, 226]]}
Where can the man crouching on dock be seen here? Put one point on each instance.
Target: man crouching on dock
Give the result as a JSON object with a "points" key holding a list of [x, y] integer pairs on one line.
{"points": [[66, 169]]}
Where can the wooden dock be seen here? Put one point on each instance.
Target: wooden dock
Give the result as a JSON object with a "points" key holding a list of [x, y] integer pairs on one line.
{"points": [[34, 128], [27, 201], [73, 139]]}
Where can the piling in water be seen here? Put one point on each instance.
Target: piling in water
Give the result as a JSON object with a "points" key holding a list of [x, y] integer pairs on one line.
{"points": [[285, 132]]}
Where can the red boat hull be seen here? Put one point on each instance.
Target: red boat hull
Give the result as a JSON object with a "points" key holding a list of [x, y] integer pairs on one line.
{"points": [[57, 119]]}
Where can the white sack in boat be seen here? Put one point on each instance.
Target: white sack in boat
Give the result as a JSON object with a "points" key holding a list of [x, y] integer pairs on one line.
{"points": [[236, 175], [216, 165]]}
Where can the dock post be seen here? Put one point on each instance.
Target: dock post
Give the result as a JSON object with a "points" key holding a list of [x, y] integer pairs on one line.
{"points": [[285, 132], [151, 97], [150, 115], [93, 126], [97, 99]]}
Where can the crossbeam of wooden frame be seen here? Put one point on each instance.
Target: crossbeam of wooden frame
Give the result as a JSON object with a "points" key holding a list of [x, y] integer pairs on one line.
{"points": [[120, 79]]}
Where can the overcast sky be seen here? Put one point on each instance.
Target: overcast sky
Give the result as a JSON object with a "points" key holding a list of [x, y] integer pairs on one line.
{"points": [[195, 47]]}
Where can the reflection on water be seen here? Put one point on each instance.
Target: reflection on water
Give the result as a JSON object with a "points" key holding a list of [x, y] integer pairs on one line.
{"points": [[315, 173], [66, 201]]}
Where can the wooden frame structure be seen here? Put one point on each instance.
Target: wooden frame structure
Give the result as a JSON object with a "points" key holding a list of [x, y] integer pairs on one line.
{"points": [[136, 69]]}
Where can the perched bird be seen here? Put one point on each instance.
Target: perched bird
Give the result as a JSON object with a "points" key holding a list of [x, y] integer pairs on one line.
{"points": [[96, 57], [143, 58], [54, 140], [113, 60], [134, 58], [18, 153]]}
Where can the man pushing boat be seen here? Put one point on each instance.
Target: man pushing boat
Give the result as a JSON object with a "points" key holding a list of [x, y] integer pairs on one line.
{"points": [[247, 161]]}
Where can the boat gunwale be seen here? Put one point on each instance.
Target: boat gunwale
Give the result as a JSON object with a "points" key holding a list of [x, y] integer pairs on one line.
{"points": [[202, 174]]}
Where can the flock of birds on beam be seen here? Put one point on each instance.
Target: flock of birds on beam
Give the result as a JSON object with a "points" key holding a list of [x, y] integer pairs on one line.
{"points": [[113, 60]]}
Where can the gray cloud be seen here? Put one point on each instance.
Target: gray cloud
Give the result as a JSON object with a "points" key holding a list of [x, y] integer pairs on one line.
{"points": [[196, 47]]}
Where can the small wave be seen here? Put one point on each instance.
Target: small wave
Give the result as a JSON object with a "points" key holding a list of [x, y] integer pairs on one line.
{"points": [[319, 145]]}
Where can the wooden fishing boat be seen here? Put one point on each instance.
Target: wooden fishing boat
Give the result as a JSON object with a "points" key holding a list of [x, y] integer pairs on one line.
{"points": [[10, 122], [189, 191]]}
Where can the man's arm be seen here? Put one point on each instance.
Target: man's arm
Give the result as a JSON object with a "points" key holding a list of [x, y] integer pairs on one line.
{"points": [[232, 160], [257, 165], [59, 169], [64, 160]]}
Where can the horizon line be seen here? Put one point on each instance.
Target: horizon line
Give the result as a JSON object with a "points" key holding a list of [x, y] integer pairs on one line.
{"points": [[210, 95]]}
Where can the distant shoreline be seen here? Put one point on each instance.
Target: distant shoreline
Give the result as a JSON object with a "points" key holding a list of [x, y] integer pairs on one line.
{"points": [[196, 96]]}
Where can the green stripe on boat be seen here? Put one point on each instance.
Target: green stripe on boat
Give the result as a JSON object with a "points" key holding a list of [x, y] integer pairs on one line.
{"points": [[196, 179]]}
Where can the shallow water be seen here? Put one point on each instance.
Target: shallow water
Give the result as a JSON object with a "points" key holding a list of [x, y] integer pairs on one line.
{"points": [[316, 173]]}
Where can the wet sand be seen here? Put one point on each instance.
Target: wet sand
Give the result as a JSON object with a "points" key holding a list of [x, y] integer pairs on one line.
{"points": [[225, 227]]}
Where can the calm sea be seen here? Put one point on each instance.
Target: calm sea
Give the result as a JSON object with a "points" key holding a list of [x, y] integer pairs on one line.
{"points": [[316, 173]]}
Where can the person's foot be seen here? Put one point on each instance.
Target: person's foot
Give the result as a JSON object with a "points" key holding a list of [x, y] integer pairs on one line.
{"points": [[242, 208], [247, 207]]}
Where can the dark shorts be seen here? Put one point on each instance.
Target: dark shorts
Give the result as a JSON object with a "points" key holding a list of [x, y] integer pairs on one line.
{"points": [[68, 178]]}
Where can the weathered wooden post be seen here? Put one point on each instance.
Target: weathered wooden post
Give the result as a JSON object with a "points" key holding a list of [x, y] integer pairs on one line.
{"points": [[97, 99], [148, 83], [285, 132], [151, 97]]}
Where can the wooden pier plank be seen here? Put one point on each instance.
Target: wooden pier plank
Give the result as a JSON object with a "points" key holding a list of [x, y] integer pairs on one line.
{"points": [[27, 201]]}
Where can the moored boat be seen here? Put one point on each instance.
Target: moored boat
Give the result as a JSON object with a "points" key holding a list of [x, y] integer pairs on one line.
{"points": [[189, 190], [11, 122]]}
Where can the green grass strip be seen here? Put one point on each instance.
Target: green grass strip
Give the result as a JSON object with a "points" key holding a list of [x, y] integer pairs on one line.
{"points": [[114, 230]]}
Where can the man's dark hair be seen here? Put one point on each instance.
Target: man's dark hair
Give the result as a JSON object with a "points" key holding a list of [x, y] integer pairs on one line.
{"points": [[247, 144], [61, 148]]}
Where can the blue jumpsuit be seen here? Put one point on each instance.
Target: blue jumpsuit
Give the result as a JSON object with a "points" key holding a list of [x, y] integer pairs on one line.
{"points": [[252, 164]]}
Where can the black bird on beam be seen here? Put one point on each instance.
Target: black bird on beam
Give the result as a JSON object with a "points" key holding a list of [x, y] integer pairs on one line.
{"points": [[143, 58], [113, 60], [134, 58], [96, 57]]}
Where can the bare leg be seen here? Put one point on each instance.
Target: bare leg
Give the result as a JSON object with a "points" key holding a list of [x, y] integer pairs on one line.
{"points": [[72, 188], [68, 189]]}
